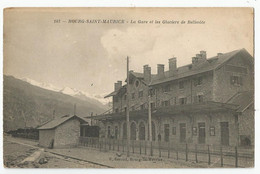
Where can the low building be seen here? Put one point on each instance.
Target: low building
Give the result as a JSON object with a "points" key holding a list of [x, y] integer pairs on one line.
{"points": [[61, 132], [210, 101]]}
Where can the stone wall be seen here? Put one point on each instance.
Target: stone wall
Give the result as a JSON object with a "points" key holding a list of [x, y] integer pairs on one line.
{"points": [[46, 137], [189, 91], [246, 125], [67, 134], [136, 102], [223, 89], [210, 120]]}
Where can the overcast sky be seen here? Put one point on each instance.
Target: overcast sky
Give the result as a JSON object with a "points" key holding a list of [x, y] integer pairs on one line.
{"points": [[79, 55]]}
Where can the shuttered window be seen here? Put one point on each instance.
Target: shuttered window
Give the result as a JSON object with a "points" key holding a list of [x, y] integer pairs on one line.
{"points": [[198, 81], [183, 101], [236, 80]]}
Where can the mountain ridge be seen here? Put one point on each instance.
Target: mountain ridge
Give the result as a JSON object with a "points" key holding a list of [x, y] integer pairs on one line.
{"points": [[26, 105], [67, 90]]}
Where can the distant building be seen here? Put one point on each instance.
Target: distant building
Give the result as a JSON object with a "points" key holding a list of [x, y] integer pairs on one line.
{"points": [[61, 132], [210, 101]]}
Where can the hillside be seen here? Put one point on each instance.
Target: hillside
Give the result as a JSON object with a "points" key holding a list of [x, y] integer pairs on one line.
{"points": [[25, 105]]}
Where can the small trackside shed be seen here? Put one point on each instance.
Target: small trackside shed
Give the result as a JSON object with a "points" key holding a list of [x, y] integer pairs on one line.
{"points": [[61, 132]]}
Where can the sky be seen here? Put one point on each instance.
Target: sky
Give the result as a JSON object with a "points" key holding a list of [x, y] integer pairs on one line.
{"points": [[91, 57]]}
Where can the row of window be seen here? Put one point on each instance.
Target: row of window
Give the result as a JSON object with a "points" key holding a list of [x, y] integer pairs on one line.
{"points": [[140, 94], [182, 101], [234, 80], [199, 131], [196, 82]]}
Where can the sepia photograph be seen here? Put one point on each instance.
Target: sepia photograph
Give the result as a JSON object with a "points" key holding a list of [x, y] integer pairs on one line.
{"points": [[128, 87]]}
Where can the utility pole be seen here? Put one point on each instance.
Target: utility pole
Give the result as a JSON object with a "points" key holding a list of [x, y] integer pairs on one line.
{"points": [[127, 109], [53, 114], [91, 118], [150, 116], [74, 108]]}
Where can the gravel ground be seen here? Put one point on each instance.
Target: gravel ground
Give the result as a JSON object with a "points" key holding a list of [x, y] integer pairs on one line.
{"points": [[17, 149], [16, 152]]}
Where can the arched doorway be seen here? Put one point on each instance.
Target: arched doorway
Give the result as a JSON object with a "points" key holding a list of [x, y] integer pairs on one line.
{"points": [[153, 131], [124, 131], [133, 131], [141, 131]]}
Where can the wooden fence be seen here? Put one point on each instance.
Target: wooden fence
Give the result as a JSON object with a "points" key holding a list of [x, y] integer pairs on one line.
{"points": [[213, 155]]}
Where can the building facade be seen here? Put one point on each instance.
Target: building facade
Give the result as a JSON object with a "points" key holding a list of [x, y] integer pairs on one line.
{"points": [[61, 132], [210, 101]]}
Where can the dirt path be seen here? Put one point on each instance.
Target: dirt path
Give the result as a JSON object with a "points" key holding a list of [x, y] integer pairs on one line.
{"points": [[19, 153]]}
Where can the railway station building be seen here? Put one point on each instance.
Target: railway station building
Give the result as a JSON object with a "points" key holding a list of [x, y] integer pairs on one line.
{"points": [[210, 101]]}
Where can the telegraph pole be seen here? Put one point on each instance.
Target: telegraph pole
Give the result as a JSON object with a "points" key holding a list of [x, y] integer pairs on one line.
{"points": [[127, 109], [91, 118], [75, 108], [53, 114], [150, 117]]}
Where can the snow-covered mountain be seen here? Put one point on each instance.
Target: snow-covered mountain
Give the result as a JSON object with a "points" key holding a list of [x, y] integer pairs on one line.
{"points": [[84, 95], [69, 91]]}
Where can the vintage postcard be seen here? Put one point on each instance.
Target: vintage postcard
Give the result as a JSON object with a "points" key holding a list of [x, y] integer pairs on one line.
{"points": [[128, 88]]}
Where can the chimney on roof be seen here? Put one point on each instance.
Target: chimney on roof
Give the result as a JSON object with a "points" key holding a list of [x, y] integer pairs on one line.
{"points": [[199, 58], [203, 55], [118, 85], [220, 54], [172, 66], [147, 73], [160, 71], [195, 60]]}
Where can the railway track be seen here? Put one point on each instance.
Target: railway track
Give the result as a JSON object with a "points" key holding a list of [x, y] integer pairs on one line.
{"points": [[95, 163]]}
